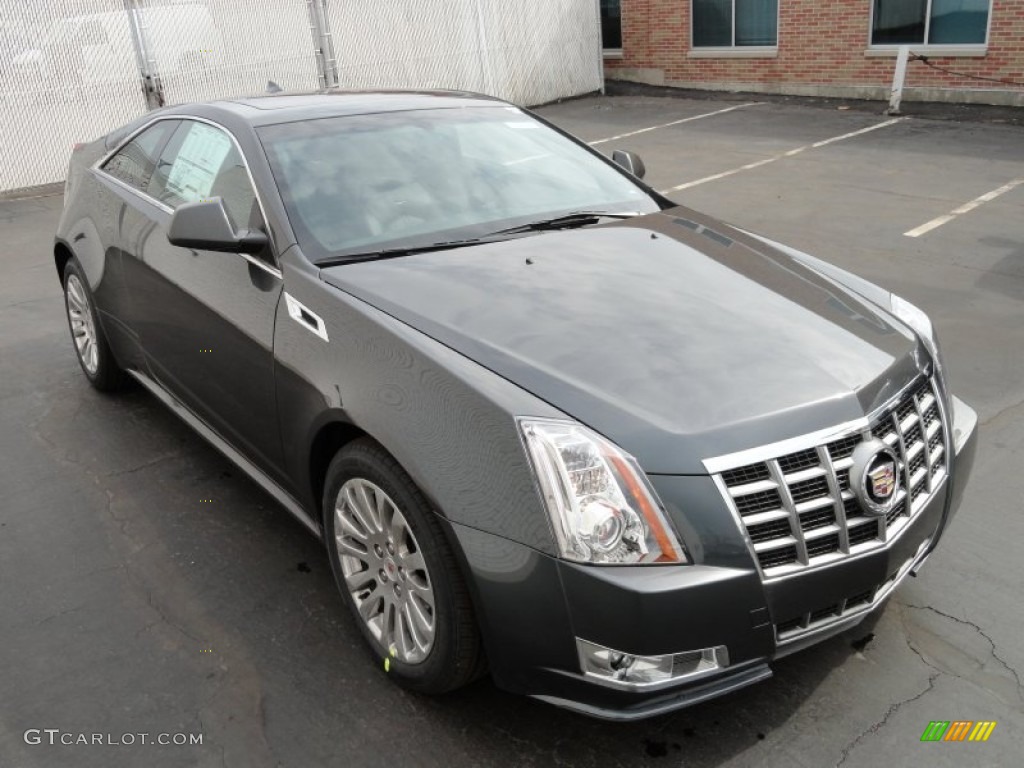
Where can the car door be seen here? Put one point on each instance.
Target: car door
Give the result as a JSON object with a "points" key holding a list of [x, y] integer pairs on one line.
{"points": [[206, 320]]}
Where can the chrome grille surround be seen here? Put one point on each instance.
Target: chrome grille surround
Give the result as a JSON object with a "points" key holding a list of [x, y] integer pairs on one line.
{"points": [[793, 499]]}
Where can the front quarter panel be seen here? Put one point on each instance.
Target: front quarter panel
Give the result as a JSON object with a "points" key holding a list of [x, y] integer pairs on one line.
{"points": [[449, 422]]}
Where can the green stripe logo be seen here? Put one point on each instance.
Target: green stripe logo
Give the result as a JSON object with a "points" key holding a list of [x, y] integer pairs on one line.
{"points": [[935, 731]]}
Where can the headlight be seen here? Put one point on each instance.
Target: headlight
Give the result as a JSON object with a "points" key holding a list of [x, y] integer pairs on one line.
{"points": [[601, 505], [921, 323]]}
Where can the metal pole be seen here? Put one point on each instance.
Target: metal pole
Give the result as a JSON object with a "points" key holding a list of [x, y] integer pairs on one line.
{"points": [[897, 80], [314, 32], [151, 86], [326, 58], [486, 65]]}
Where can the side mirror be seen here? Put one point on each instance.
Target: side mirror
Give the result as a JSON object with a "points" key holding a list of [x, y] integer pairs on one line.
{"points": [[205, 225], [630, 161]]}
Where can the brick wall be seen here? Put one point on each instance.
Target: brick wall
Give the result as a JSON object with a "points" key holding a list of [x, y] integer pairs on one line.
{"points": [[821, 50]]}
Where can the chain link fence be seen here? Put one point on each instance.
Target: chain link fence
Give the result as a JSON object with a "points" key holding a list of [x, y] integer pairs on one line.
{"points": [[528, 52], [71, 70], [225, 48], [68, 73]]}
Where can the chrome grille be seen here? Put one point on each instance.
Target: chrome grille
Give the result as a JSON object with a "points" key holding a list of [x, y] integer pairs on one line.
{"points": [[817, 619], [797, 507]]}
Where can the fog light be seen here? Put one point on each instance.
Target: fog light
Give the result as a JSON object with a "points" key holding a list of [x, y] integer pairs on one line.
{"points": [[632, 670]]}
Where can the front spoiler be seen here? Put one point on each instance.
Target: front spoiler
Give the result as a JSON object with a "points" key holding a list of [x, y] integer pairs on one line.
{"points": [[727, 682]]}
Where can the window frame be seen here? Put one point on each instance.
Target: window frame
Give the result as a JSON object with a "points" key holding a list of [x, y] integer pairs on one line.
{"points": [[935, 49], [612, 53], [733, 50], [273, 267]]}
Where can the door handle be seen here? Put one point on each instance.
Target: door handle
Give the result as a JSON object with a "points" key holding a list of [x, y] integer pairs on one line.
{"points": [[305, 317]]}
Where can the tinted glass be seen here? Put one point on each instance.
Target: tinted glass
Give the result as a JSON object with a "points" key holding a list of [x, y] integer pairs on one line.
{"points": [[712, 22], [200, 162], [757, 22], [611, 23], [957, 22], [134, 162], [401, 179], [899, 21]]}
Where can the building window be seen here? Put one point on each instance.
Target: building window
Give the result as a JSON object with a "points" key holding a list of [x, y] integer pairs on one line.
{"points": [[611, 25], [930, 22], [735, 23]]}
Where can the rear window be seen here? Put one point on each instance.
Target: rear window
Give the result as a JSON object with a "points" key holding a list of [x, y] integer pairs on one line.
{"points": [[133, 164]]}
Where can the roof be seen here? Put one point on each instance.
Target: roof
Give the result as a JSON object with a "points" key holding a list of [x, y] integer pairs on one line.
{"points": [[290, 107]]}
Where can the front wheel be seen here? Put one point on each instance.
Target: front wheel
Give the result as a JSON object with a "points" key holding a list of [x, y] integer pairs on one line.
{"points": [[397, 573]]}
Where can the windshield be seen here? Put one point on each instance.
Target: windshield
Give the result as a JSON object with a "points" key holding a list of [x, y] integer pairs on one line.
{"points": [[405, 179]]}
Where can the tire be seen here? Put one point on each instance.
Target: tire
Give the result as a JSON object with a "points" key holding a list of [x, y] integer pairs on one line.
{"points": [[91, 347], [404, 543]]}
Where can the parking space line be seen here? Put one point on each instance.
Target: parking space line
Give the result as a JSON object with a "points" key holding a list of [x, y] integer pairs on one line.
{"points": [[676, 122], [781, 156], [965, 208]]}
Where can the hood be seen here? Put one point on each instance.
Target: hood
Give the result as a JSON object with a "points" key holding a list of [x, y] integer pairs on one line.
{"points": [[675, 336]]}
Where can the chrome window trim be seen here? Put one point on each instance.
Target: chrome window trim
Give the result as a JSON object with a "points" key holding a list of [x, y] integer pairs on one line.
{"points": [[137, 192], [97, 167], [262, 265]]}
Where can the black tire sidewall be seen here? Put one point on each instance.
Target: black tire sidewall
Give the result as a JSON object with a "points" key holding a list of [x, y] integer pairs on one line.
{"points": [[366, 460]]}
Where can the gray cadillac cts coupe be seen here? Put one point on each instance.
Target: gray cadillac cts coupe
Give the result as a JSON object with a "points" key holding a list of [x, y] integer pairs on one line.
{"points": [[547, 423]]}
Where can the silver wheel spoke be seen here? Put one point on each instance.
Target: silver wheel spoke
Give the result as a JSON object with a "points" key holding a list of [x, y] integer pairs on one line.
{"points": [[397, 528], [413, 561], [348, 548], [369, 508], [421, 589], [406, 645], [346, 525], [419, 626], [368, 607], [353, 503], [410, 628]]}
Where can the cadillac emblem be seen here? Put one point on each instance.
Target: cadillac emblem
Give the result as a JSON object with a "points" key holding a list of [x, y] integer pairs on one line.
{"points": [[875, 477]]}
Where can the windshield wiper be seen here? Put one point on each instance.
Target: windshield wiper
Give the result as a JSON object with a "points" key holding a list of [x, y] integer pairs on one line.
{"points": [[391, 253], [567, 221]]}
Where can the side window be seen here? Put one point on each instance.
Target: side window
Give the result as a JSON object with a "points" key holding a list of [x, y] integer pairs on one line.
{"points": [[201, 161], [134, 162]]}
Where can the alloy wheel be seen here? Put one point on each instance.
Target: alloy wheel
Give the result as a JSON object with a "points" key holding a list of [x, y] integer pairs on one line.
{"points": [[83, 330], [384, 570]]}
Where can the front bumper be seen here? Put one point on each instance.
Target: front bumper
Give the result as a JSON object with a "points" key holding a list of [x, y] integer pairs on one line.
{"points": [[531, 626]]}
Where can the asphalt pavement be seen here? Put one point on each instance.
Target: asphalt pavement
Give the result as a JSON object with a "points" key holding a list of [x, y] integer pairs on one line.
{"points": [[146, 586]]}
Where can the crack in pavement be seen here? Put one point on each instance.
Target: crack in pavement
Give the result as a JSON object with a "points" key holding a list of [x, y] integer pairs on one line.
{"points": [[977, 629], [876, 726], [144, 465], [165, 620], [1000, 413]]}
